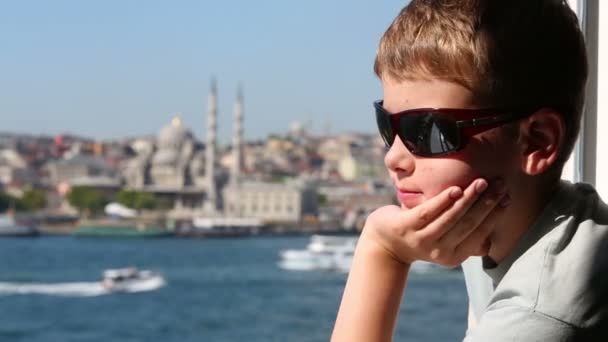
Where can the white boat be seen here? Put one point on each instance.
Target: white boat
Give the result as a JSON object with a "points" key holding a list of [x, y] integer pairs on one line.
{"points": [[9, 227], [328, 243], [421, 266], [327, 253], [334, 253], [131, 279]]}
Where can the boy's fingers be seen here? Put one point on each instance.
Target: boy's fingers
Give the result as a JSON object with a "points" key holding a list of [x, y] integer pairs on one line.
{"points": [[428, 211], [450, 217], [476, 214], [474, 244]]}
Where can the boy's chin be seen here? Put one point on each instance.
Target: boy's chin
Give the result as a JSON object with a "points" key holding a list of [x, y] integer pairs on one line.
{"points": [[409, 206]]}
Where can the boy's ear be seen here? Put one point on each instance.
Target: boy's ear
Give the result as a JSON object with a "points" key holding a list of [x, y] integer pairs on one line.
{"points": [[542, 136]]}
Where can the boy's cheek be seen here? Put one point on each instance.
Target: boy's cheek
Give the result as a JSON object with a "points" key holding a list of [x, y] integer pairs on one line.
{"points": [[454, 176]]}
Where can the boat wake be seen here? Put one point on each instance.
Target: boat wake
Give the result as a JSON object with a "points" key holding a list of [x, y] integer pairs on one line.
{"points": [[91, 289], [125, 280]]}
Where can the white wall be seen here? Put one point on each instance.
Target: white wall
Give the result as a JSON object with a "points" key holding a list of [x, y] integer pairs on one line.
{"points": [[602, 100], [572, 170], [590, 160]]}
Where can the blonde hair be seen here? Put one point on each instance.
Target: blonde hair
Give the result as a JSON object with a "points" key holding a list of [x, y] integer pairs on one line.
{"points": [[508, 53]]}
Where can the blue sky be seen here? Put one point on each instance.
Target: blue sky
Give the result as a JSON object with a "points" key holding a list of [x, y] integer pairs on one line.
{"points": [[115, 68]]}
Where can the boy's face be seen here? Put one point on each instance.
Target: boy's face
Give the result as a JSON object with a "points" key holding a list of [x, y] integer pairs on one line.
{"points": [[490, 154]]}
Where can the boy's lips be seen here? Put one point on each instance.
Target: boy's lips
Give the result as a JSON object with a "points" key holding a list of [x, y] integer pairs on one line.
{"points": [[409, 198]]}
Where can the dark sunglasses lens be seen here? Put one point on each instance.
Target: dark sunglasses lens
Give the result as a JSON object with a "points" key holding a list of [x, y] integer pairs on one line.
{"points": [[429, 134], [384, 127]]}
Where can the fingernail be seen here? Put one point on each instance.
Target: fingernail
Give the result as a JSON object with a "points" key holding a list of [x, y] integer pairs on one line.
{"points": [[481, 186], [455, 193], [505, 201]]}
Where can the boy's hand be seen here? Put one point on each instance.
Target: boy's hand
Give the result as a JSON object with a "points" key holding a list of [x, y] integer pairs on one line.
{"points": [[446, 229]]}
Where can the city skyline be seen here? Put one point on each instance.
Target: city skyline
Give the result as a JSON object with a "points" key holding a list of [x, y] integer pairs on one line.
{"points": [[111, 70]]}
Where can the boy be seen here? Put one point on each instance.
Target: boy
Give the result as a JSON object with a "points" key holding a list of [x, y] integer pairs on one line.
{"points": [[481, 108]]}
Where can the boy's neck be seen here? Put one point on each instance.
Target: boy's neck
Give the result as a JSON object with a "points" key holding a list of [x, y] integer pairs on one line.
{"points": [[525, 208]]}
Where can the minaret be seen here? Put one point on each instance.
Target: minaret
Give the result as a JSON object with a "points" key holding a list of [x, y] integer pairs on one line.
{"points": [[210, 148], [235, 173]]}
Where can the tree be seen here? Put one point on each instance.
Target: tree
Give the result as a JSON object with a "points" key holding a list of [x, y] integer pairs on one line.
{"points": [[321, 199], [33, 200], [136, 200], [145, 200], [126, 198], [86, 199], [7, 202]]}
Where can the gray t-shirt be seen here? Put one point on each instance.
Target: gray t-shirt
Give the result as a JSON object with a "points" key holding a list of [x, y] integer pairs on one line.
{"points": [[554, 284], [479, 285]]}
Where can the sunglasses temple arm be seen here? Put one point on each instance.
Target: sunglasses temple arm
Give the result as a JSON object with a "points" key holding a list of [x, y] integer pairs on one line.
{"points": [[494, 120]]}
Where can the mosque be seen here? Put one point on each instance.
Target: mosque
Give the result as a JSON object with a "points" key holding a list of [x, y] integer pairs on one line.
{"points": [[188, 179]]}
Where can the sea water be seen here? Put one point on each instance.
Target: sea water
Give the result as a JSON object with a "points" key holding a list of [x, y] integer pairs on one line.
{"points": [[216, 290]]}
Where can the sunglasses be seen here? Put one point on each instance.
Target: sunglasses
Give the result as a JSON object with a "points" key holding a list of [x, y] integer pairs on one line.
{"points": [[428, 132]]}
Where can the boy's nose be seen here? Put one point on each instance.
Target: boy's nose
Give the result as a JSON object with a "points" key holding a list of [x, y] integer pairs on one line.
{"points": [[399, 159]]}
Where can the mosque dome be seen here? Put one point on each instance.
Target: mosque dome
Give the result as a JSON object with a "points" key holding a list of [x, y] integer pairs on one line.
{"points": [[173, 136], [165, 157], [170, 140]]}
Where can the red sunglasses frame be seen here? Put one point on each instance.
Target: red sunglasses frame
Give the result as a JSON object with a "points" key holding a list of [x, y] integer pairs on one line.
{"points": [[468, 122]]}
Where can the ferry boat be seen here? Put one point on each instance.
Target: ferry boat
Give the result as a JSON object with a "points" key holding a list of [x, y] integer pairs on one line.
{"points": [[334, 253], [323, 252]]}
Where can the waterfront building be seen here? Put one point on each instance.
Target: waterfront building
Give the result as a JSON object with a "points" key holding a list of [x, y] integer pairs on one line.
{"points": [[76, 167], [281, 203]]}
